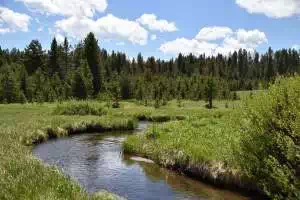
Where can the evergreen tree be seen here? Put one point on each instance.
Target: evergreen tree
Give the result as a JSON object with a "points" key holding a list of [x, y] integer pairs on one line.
{"points": [[24, 81], [66, 55], [33, 58], [92, 53], [270, 66], [210, 92], [79, 87], [10, 88], [140, 63], [53, 58]]}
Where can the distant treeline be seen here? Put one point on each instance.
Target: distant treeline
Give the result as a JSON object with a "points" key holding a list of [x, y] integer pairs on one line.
{"points": [[86, 71]]}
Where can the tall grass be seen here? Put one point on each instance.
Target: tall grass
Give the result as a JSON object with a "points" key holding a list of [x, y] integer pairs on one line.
{"points": [[22, 176], [80, 108], [202, 145]]}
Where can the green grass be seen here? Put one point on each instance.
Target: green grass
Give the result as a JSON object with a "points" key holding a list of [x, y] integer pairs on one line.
{"points": [[22, 176], [203, 145], [80, 108]]}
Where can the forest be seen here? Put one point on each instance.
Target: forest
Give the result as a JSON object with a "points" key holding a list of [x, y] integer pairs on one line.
{"points": [[85, 71]]}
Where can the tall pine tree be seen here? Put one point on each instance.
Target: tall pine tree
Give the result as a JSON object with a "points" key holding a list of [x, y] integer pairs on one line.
{"points": [[92, 53]]}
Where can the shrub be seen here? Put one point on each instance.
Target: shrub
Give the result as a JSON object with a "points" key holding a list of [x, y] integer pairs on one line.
{"points": [[80, 108], [271, 139]]}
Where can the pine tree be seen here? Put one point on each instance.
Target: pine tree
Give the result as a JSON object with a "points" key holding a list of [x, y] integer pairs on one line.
{"points": [[53, 58], [10, 88], [66, 55], [210, 92], [24, 81], [92, 53], [270, 64], [140, 63], [79, 87], [33, 58]]}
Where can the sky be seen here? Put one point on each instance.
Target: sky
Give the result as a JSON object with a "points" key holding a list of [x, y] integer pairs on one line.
{"points": [[160, 28]]}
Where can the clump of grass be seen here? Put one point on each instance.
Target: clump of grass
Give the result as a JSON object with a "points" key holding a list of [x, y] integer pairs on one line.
{"points": [[61, 128], [197, 146], [80, 108], [105, 195]]}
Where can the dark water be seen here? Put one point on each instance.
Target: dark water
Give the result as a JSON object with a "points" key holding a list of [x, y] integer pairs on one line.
{"points": [[96, 162]]}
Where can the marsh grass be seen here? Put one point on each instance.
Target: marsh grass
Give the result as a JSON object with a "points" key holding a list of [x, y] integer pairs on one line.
{"points": [[80, 108], [22, 176], [202, 145]]}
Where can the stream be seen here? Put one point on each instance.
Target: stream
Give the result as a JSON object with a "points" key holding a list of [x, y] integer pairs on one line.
{"points": [[97, 162]]}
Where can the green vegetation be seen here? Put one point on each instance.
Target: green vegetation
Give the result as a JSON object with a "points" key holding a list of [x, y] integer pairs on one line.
{"points": [[202, 145], [24, 177], [88, 72], [21, 125], [80, 108], [211, 144], [260, 151], [270, 152]]}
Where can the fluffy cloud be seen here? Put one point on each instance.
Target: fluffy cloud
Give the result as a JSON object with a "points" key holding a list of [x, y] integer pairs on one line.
{"points": [[108, 27], [213, 33], [271, 8], [186, 46], [153, 37], [252, 37], [11, 21], [231, 42], [59, 38], [154, 24], [66, 7], [120, 43], [297, 47]]}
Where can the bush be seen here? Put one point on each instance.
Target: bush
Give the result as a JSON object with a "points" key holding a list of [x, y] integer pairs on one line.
{"points": [[271, 139], [80, 108]]}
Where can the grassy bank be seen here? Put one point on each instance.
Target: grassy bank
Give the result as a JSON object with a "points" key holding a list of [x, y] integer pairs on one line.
{"points": [[204, 145], [22, 176]]}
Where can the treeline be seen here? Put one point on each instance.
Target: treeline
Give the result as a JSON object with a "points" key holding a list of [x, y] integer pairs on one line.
{"points": [[86, 71]]}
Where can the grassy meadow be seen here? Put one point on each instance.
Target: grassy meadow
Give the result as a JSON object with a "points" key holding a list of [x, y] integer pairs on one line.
{"points": [[22, 176], [192, 139]]}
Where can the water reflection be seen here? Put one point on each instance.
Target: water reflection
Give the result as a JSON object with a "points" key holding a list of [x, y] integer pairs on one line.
{"points": [[96, 161]]}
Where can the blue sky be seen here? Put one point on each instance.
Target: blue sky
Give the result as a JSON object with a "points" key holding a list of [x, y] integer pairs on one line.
{"points": [[161, 28]]}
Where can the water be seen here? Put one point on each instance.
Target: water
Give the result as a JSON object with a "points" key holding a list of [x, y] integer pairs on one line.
{"points": [[96, 162]]}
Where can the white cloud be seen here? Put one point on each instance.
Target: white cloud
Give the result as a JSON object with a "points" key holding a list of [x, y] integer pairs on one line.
{"points": [[4, 30], [59, 38], [77, 8], [271, 8], [40, 29], [108, 27], [11, 21], [186, 46], [154, 24], [296, 46], [235, 40], [252, 37], [153, 37], [120, 43], [213, 33]]}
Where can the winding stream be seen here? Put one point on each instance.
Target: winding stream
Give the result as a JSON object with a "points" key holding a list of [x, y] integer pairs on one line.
{"points": [[96, 162]]}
